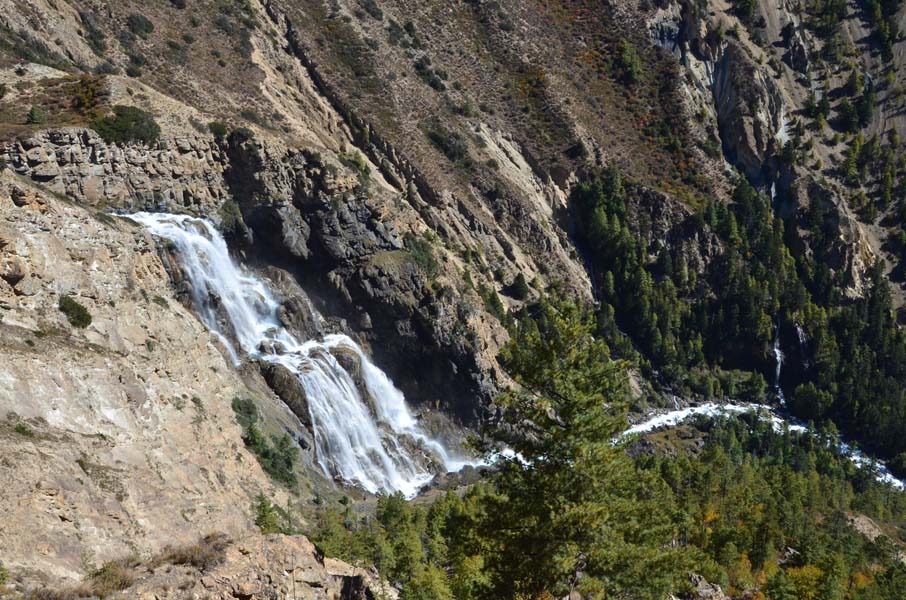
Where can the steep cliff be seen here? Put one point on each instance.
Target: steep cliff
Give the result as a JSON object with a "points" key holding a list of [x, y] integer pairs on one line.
{"points": [[118, 436]]}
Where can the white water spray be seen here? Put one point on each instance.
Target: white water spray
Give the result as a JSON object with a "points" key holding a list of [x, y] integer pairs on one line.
{"points": [[803, 345], [370, 439], [778, 365]]}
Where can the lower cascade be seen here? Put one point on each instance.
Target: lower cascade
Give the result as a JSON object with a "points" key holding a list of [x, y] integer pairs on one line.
{"points": [[364, 434]]}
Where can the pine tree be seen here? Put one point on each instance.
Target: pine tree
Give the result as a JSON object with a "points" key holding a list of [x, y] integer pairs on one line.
{"points": [[571, 502], [35, 116], [266, 517]]}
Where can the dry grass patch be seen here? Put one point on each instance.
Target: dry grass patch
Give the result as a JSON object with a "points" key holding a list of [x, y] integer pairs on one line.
{"points": [[208, 552]]}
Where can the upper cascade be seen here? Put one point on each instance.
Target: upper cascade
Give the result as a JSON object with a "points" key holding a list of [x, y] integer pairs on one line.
{"points": [[364, 434]]}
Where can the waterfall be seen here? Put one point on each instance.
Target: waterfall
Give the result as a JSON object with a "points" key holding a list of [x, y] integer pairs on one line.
{"points": [[778, 365], [803, 345], [364, 434]]}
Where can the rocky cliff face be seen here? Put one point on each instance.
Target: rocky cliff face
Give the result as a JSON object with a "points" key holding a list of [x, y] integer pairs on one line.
{"points": [[273, 566], [118, 436], [754, 83]]}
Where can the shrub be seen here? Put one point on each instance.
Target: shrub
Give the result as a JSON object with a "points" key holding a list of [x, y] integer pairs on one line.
{"points": [[93, 32], [372, 9], [87, 94], [246, 412], [127, 124], [35, 116], [178, 3], [492, 303], [255, 117], [24, 430], [218, 130], [224, 24], [4, 574], [231, 220], [520, 288], [628, 63], [207, 553], [276, 456], [140, 25], [451, 143], [422, 254], [266, 516], [75, 312], [429, 75], [355, 161], [110, 578]]}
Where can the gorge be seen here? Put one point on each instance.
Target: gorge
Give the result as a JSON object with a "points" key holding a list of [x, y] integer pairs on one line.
{"points": [[452, 299]]}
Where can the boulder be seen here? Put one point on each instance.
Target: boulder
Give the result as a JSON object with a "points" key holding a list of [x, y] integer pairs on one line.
{"points": [[282, 381]]}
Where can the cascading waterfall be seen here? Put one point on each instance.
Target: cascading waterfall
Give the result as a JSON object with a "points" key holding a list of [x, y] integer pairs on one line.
{"points": [[803, 345], [778, 365], [370, 439]]}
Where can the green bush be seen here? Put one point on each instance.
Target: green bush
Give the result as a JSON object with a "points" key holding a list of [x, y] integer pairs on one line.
{"points": [[112, 577], [520, 288], [628, 63], [24, 430], [422, 254], [140, 25], [35, 116], [451, 143], [246, 412], [218, 130], [76, 313], [268, 517], [127, 124], [276, 456]]}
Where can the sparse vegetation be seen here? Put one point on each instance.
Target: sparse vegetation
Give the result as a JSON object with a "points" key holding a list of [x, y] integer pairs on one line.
{"points": [[36, 116], [127, 124], [423, 254], [218, 129], [451, 143], [276, 456], [111, 577], [77, 315], [371, 7], [140, 25], [24, 430], [94, 34], [207, 553], [629, 66]]}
